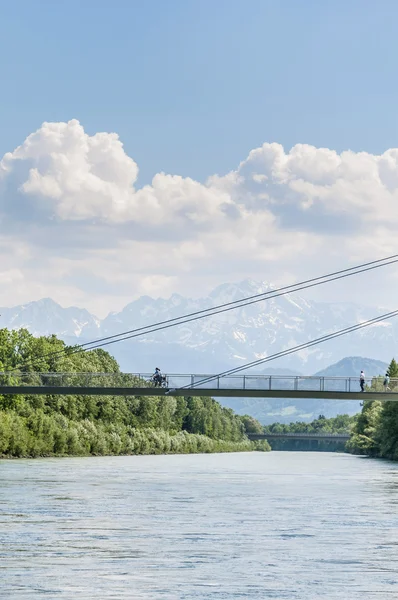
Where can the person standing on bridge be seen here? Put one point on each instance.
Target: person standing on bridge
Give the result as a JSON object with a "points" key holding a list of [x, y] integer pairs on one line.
{"points": [[157, 377], [362, 381], [386, 382]]}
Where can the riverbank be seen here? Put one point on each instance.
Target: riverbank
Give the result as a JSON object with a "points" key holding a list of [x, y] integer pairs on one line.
{"points": [[44, 436], [375, 432], [78, 425]]}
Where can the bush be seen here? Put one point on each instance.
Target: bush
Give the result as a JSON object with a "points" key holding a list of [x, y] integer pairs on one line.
{"points": [[83, 425]]}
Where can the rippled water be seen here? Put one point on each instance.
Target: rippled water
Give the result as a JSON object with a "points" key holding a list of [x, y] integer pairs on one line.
{"points": [[278, 525]]}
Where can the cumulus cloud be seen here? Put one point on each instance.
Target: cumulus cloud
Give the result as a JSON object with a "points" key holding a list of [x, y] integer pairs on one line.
{"points": [[85, 177], [75, 224], [317, 186]]}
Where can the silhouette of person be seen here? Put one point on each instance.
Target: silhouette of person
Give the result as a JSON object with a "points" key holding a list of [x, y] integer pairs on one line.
{"points": [[362, 381], [157, 376], [386, 382]]}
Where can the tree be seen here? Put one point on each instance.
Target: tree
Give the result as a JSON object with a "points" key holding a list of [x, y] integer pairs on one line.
{"points": [[365, 434], [251, 424], [47, 425], [392, 370]]}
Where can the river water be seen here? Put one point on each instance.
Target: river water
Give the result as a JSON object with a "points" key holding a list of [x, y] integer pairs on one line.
{"points": [[253, 525]]}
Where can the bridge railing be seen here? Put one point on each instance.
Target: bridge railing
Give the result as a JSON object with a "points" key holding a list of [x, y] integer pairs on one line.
{"points": [[199, 381], [73, 379], [277, 382]]}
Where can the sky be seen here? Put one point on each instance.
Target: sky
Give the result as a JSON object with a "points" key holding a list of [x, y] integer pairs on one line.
{"points": [[158, 147]]}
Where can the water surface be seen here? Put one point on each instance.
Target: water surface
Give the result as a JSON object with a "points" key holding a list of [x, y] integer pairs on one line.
{"points": [[281, 525]]}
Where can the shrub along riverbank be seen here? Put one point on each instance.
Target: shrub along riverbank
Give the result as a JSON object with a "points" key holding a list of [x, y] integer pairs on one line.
{"points": [[32, 426], [376, 430]]}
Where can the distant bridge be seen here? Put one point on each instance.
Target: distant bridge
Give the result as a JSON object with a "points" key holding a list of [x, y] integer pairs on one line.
{"points": [[321, 436], [233, 386]]}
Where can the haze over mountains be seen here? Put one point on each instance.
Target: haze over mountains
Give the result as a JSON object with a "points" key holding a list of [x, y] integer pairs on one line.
{"points": [[219, 341], [215, 343]]}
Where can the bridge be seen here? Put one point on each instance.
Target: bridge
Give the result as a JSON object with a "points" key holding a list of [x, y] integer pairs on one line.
{"points": [[321, 436], [231, 386]]}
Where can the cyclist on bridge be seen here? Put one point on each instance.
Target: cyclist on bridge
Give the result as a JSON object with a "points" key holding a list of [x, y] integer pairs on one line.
{"points": [[157, 377]]}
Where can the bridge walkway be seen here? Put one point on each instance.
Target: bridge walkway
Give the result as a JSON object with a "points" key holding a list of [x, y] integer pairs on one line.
{"points": [[243, 386]]}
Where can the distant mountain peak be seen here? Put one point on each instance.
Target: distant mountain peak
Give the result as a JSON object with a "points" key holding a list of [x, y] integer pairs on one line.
{"points": [[45, 316], [218, 342], [246, 287], [227, 339], [351, 366]]}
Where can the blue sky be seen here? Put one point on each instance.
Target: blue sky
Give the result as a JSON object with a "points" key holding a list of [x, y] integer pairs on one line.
{"points": [[192, 85], [192, 88]]}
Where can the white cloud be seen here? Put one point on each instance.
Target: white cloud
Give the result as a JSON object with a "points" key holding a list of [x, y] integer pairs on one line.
{"points": [[358, 184], [76, 228], [10, 276], [87, 177]]}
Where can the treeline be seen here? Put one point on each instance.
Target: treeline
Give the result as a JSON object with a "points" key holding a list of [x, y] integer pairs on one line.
{"points": [[339, 424], [82, 425], [376, 430]]}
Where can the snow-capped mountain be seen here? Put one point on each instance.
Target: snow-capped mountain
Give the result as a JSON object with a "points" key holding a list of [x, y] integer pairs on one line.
{"points": [[235, 337], [254, 331], [46, 317], [213, 343]]}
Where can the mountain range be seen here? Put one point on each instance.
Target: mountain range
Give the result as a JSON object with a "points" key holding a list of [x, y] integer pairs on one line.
{"points": [[219, 342]]}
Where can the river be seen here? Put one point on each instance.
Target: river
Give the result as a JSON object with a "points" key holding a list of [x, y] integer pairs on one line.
{"points": [[281, 525]]}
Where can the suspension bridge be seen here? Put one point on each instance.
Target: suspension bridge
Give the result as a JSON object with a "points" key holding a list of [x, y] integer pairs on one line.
{"points": [[224, 384], [243, 386]]}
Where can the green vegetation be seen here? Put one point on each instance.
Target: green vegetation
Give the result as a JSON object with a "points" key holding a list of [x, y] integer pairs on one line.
{"points": [[251, 425], [339, 424], [376, 430], [82, 425]]}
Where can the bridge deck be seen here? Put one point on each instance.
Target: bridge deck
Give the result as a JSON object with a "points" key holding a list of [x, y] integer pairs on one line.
{"points": [[326, 437], [232, 386], [213, 392]]}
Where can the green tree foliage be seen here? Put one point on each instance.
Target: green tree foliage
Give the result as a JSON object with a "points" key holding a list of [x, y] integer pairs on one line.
{"points": [[386, 436], [339, 424], [83, 425], [251, 425], [365, 432], [393, 368], [376, 430]]}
